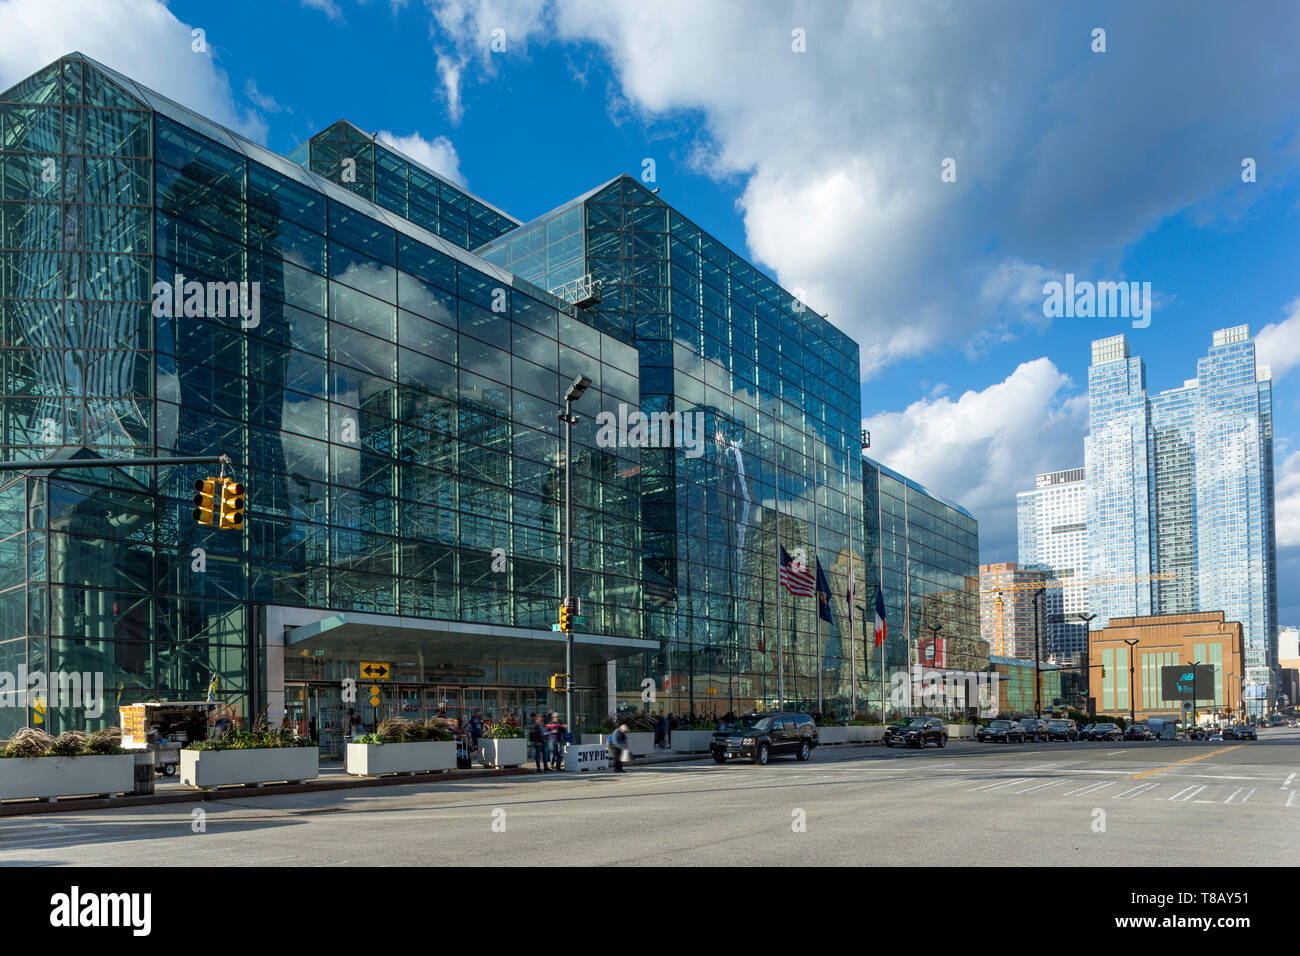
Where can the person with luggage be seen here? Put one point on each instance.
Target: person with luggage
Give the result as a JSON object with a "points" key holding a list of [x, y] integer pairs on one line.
{"points": [[537, 737], [618, 752]]}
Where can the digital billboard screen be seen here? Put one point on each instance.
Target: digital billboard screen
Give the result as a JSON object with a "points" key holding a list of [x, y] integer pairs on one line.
{"points": [[1178, 682]]}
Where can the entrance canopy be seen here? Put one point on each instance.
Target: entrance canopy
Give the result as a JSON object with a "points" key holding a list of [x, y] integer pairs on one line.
{"points": [[355, 634]]}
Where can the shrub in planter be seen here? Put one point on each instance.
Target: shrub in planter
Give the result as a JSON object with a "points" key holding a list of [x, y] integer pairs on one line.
{"points": [[504, 731], [826, 720], [638, 722], [32, 742]]}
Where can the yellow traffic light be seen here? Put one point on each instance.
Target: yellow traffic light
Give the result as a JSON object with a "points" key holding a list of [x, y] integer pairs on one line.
{"points": [[205, 500], [231, 514], [564, 617]]}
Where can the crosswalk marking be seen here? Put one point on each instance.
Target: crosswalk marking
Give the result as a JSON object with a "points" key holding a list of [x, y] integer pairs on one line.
{"points": [[999, 786], [1045, 786], [1090, 789], [1291, 799], [1243, 792], [1288, 781], [1135, 791], [1187, 793]]}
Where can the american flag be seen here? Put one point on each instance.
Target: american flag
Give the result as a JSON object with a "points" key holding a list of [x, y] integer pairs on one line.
{"points": [[795, 576]]}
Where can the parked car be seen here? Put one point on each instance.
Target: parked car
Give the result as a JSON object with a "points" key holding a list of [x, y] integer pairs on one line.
{"points": [[1062, 729], [1106, 732], [918, 732], [1241, 732], [1139, 732], [1085, 732], [1001, 731], [759, 737], [1035, 728]]}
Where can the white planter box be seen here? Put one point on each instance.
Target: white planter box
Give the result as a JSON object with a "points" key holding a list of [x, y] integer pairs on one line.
{"points": [[51, 777], [832, 735], [215, 768], [692, 741], [962, 731], [585, 756], [503, 751], [371, 760], [865, 734], [640, 743]]}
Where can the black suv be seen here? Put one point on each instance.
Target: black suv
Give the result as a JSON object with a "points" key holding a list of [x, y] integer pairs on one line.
{"points": [[759, 737], [1035, 728], [1061, 729], [918, 732], [1105, 732], [1000, 731]]}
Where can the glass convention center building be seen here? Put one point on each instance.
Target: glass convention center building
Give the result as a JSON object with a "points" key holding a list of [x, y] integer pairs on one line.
{"points": [[383, 356]]}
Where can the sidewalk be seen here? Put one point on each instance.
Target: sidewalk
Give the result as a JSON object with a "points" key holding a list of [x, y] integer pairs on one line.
{"points": [[332, 777]]}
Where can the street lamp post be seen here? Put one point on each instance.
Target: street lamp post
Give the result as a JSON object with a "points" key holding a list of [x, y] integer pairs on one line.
{"points": [[1131, 642], [580, 385], [1086, 619], [1038, 683]]}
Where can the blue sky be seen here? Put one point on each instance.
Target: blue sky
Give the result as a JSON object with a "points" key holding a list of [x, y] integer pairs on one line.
{"points": [[824, 167]]}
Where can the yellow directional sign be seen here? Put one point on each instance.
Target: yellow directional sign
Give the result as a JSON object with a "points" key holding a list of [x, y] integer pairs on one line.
{"points": [[375, 670], [38, 705], [374, 695]]}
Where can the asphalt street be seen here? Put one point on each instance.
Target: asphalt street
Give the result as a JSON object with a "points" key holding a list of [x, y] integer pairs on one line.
{"points": [[1096, 804]]}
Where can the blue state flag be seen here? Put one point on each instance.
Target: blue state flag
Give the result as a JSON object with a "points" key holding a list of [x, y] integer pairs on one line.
{"points": [[823, 595]]}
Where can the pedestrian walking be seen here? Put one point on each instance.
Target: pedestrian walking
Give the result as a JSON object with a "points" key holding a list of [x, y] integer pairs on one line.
{"points": [[617, 746], [537, 737]]}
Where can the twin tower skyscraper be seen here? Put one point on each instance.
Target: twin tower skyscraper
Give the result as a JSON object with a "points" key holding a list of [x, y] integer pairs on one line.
{"points": [[1173, 511]]}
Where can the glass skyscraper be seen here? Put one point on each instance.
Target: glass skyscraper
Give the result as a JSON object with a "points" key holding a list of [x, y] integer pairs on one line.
{"points": [[382, 355], [1052, 532], [1180, 494]]}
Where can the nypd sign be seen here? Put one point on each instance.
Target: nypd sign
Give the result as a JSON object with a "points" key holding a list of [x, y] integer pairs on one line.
{"points": [[579, 757]]}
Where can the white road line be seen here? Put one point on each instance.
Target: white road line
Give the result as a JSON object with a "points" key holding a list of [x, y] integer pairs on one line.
{"points": [[1288, 781], [1114, 752], [1045, 786], [1135, 791], [1000, 785], [1092, 788], [1189, 791], [1046, 766], [1239, 791], [1290, 799]]}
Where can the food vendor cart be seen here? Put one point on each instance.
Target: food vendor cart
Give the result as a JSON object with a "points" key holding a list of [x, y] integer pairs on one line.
{"points": [[164, 727]]}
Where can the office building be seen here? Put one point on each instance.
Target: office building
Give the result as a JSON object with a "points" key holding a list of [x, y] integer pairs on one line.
{"points": [[1052, 529], [1011, 609], [1180, 494]]}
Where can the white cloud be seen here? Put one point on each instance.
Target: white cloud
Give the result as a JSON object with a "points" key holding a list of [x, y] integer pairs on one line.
{"points": [[1286, 502], [141, 39], [1278, 343], [327, 7], [983, 447], [438, 153], [840, 147]]}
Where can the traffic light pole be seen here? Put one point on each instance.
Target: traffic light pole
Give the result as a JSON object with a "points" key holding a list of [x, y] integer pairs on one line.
{"points": [[45, 463], [568, 564]]}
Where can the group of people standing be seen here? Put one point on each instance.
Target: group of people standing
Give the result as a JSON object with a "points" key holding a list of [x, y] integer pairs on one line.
{"points": [[548, 740]]}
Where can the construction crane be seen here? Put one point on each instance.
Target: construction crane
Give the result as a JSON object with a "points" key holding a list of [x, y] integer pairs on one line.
{"points": [[1062, 583]]}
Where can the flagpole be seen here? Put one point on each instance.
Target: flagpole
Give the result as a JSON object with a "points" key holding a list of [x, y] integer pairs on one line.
{"points": [[853, 645], [780, 640], [880, 583], [907, 610], [817, 617]]}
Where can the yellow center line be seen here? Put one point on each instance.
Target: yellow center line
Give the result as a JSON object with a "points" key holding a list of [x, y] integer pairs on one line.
{"points": [[1212, 753]]}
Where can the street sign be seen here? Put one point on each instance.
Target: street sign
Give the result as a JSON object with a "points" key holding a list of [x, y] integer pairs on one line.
{"points": [[375, 670], [374, 695]]}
